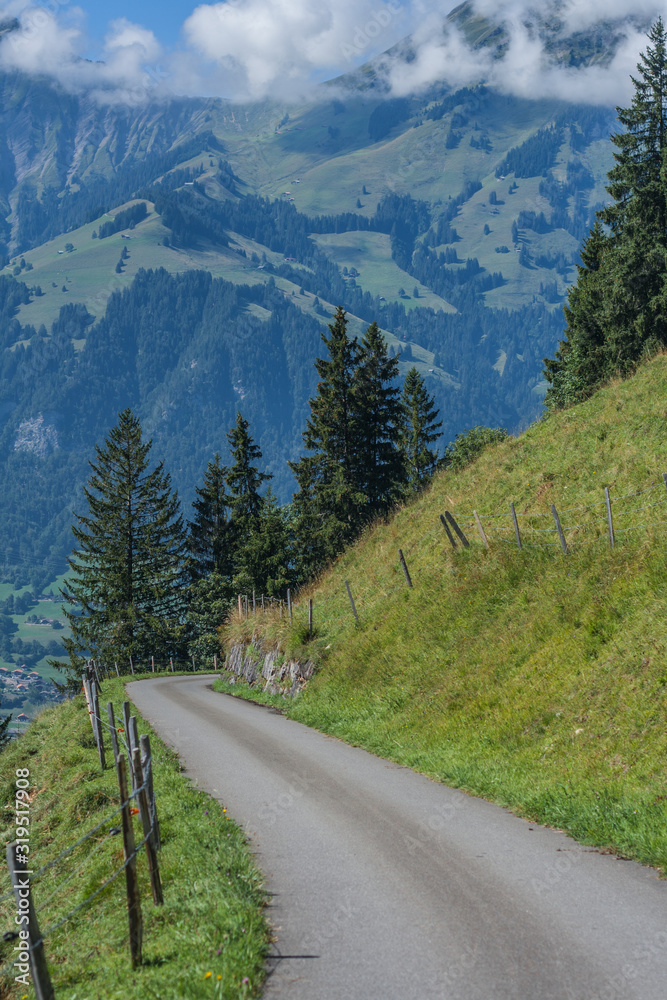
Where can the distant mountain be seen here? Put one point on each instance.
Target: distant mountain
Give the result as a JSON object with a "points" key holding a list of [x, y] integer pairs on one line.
{"points": [[453, 218]]}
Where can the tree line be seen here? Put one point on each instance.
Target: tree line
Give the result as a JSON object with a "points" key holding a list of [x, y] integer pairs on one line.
{"points": [[142, 581]]}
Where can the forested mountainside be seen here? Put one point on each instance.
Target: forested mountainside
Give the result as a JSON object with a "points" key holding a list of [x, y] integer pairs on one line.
{"points": [[453, 219]]}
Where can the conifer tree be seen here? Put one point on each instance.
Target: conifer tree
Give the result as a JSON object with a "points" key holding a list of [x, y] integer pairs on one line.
{"points": [[618, 309], [210, 542], [329, 506], [419, 431], [378, 415], [331, 427], [126, 573], [244, 481], [263, 561], [582, 360]]}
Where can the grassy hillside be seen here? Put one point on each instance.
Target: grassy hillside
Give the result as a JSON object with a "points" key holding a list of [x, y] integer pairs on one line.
{"points": [[208, 940], [534, 678]]}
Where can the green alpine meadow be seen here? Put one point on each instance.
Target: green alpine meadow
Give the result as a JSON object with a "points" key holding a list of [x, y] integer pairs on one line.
{"points": [[347, 384]]}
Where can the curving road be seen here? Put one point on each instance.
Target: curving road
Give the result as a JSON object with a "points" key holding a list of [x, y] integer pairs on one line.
{"points": [[388, 886]]}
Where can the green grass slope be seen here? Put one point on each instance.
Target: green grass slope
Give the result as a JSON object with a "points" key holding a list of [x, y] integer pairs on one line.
{"points": [[534, 678], [208, 940]]}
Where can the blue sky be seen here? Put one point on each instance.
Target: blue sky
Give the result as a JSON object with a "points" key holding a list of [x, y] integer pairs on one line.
{"points": [[164, 19]]}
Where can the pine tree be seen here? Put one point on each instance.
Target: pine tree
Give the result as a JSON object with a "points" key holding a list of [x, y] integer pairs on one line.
{"points": [[419, 431], [125, 579], [210, 542], [378, 415], [329, 506], [582, 360], [263, 562], [618, 309], [244, 481], [208, 606], [331, 427]]}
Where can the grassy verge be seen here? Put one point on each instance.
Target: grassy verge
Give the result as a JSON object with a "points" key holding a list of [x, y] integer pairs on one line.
{"points": [[209, 940], [535, 679]]}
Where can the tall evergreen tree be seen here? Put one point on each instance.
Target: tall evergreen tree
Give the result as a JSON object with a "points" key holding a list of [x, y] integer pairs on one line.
{"points": [[618, 309], [329, 506], [244, 481], [126, 573], [378, 414], [210, 542], [420, 429], [582, 359], [331, 428]]}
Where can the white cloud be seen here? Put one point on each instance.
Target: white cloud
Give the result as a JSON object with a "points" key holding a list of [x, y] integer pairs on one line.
{"points": [[251, 49], [277, 47], [525, 69], [50, 44]]}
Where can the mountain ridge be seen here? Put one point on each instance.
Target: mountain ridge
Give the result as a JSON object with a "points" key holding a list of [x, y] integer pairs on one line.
{"points": [[453, 218]]}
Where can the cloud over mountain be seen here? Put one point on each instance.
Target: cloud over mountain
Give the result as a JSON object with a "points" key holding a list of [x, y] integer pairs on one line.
{"points": [[251, 49]]}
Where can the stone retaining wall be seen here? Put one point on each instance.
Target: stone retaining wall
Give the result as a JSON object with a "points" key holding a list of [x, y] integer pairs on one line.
{"points": [[268, 670]]}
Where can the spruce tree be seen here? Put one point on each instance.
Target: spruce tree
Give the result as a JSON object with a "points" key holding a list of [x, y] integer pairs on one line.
{"points": [[419, 430], [244, 481], [618, 309], [209, 603], [331, 428], [126, 572], [210, 542], [378, 415], [264, 559], [582, 359], [329, 506]]}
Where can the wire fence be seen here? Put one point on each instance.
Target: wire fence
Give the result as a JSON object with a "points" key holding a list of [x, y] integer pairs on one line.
{"points": [[129, 751], [602, 521]]}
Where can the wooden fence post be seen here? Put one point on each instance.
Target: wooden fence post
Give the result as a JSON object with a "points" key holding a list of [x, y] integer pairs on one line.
{"points": [[89, 701], [96, 675], [310, 618], [34, 946], [112, 729], [254, 604], [349, 594], [97, 727], [240, 607], [464, 540], [117, 670], [147, 767], [171, 663], [215, 661], [610, 522], [559, 529], [405, 568], [289, 604], [194, 669], [126, 726], [131, 666], [516, 526], [131, 882], [146, 823], [133, 744], [480, 529], [153, 664], [447, 529]]}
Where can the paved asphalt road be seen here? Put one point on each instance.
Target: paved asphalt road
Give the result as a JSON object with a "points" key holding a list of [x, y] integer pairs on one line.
{"points": [[388, 886]]}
